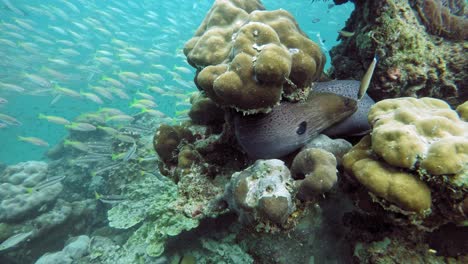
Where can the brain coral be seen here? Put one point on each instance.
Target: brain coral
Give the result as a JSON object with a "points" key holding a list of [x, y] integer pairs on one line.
{"points": [[416, 158], [248, 59]]}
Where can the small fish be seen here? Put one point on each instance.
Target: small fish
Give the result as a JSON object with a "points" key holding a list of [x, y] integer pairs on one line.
{"points": [[346, 34], [153, 112], [11, 87], [315, 20], [79, 126], [34, 140], [67, 91], [105, 168], [124, 138], [145, 102], [13, 8], [130, 153], [48, 182], [109, 130], [120, 118], [92, 97], [367, 78], [182, 69], [55, 119], [15, 240], [3, 100], [150, 158], [109, 199], [76, 145]]}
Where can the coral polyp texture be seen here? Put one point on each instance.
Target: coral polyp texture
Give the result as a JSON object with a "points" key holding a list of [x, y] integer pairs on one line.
{"points": [[417, 153], [248, 58]]}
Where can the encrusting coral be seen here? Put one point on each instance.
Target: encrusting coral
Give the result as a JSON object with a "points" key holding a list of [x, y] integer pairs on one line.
{"points": [[249, 59], [416, 154]]}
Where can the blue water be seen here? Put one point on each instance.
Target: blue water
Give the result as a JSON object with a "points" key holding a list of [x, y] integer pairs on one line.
{"points": [[153, 32]]}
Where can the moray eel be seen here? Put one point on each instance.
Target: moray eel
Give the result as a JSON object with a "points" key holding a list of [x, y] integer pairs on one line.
{"points": [[356, 124], [336, 108], [290, 125]]}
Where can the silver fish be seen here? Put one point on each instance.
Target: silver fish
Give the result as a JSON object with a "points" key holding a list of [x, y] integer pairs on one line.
{"points": [[367, 78], [130, 152], [14, 240], [48, 182]]}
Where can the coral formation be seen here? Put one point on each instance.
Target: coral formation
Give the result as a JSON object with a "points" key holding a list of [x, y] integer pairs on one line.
{"points": [[166, 142], [204, 111], [151, 204], [315, 172], [446, 21], [462, 110], [338, 146], [259, 56], [401, 188], [412, 62], [262, 192], [416, 153], [74, 250], [18, 195], [406, 131]]}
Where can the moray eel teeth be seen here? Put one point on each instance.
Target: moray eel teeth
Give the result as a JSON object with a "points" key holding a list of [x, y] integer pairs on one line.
{"points": [[290, 125]]}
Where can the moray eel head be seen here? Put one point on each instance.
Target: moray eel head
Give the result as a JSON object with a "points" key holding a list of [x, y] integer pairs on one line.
{"points": [[290, 125]]}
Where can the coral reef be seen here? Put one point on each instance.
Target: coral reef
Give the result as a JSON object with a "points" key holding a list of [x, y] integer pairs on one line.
{"points": [[412, 62], [443, 18], [20, 194], [151, 204], [74, 250], [415, 160], [315, 172], [259, 56], [407, 130], [263, 192], [338, 146], [204, 111], [462, 110]]}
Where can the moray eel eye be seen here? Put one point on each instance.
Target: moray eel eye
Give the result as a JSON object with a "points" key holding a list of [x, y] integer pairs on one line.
{"points": [[301, 129]]}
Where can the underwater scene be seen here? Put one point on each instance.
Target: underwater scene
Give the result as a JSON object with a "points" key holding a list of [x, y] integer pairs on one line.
{"points": [[233, 131]]}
